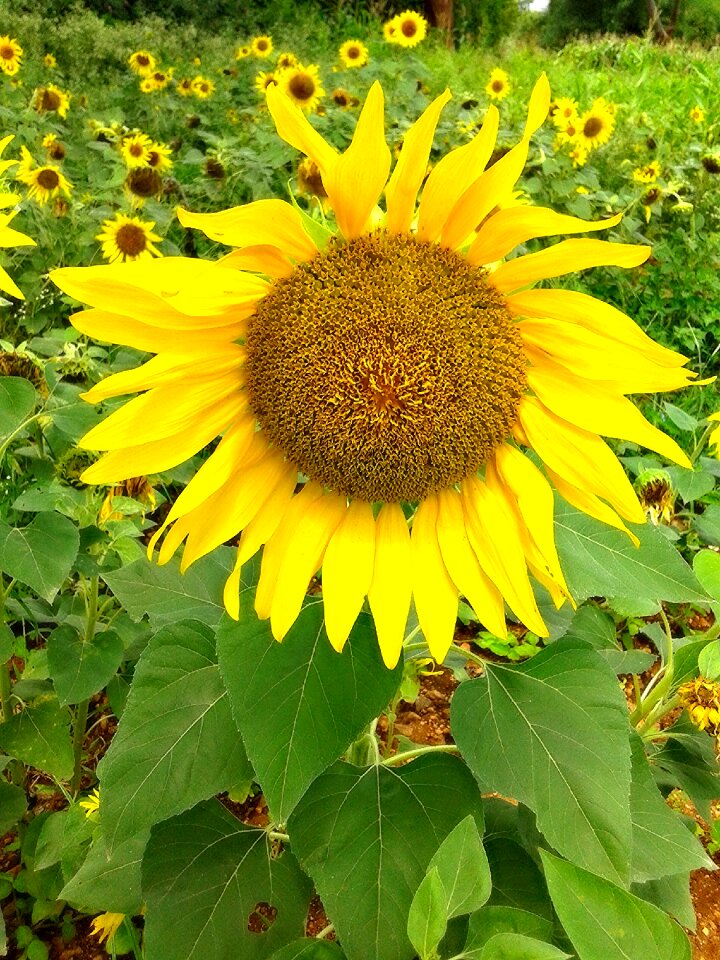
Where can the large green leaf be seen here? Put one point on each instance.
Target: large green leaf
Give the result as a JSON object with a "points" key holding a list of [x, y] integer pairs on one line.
{"points": [[300, 704], [166, 595], [80, 668], [706, 565], [601, 561], [40, 555], [671, 894], [487, 922], [463, 868], [205, 875], [597, 627], [40, 737], [13, 804], [662, 845], [17, 400], [515, 946], [552, 733], [605, 922], [366, 837], [687, 760], [309, 950], [109, 883], [177, 742]]}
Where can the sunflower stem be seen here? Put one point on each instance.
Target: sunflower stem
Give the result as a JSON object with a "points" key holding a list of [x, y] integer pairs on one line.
{"points": [[419, 752]]}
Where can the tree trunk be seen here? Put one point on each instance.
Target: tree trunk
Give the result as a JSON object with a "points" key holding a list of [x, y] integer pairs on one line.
{"points": [[660, 34], [440, 14]]}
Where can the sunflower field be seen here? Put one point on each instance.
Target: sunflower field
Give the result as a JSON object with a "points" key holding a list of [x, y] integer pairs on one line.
{"points": [[359, 515]]}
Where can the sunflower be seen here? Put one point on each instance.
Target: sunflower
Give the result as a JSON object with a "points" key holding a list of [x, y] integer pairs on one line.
{"points": [[51, 99], [261, 46], [341, 98], [10, 56], [141, 183], [8, 236], [394, 372], [160, 78], [309, 179], [353, 53], [128, 238], [45, 181], [49, 61], [596, 125], [701, 699], [264, 80], [578, 154], [202, 88], [147, 85], [285, 61], [135, 150], [184, 87], [302, 85], [647, 173], [159, 156], [697, 114], [498, 86], [408, 29], [389, 29], [54, 148], [142, 62], [562, 110], [243, 52]]}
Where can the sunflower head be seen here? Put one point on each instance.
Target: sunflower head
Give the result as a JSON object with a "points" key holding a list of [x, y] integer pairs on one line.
{"points": [[10, 55], [51, 99], [303, 87], [243, 52], [647, 173], [49, 61], [309, 179], [286, 60], [596, 125], [214, 168], [711, 162], [408, 29], [202, 87], [656, 495], [697, 114], [184, 87], [701, 699], [135, 150], [44, 182], [353, 53], [143, 182], [266, 79], [126, 238], [142, 62], [261, 46], [562, 110], [498, 86]]}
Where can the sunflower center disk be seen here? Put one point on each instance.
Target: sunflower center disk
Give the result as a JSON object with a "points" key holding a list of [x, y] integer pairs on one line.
{"points": [[385, 369]]}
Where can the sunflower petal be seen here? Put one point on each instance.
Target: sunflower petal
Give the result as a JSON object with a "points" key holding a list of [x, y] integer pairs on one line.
{"points": [[590, 504], [436, 597], [539, 106], [259, 259], [391, 588], [8, 285], [295, 128], [114, 328], [347, 571]]}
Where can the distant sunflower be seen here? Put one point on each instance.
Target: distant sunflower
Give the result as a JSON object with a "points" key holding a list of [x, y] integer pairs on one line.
{"points": [[353, 53], [135, 150], [147, 85], [647, 173], [141, 183], [285, 61], [309, 179], [142, 62], [424, 378], [714, 438], [578, 154], [54, 148], [563, 109], [341, 98], [243, 52], [49, 61], [160, 78], [498, 86], [265, 79], [261, 46], [51, 99], [8, 236], [409, 29], [389, 29], [10, 56], [128, 238], [596, 125], [45, 182], [159, 156], [184, 87], [202, 88], [697, 114], [701, 699], [302, 85]]}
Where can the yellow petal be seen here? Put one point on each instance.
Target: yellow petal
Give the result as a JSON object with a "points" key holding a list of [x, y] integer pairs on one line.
{"points": [[295, 128], [409, 173], [347, 571], [260, 259], [502, 232], [114, 328], [579, 457], [13, 238], [391, 587], [274, 223], [463, 566], [173, 538], [357, 179], [436, 598], [566, 257], [452, 175], [590, 504], [8, 285], [539, 105], [588, 405], [303, 553]]}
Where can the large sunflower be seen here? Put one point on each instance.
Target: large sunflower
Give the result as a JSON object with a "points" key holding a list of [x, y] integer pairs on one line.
{"points": [[8, 236], [401, 368]]}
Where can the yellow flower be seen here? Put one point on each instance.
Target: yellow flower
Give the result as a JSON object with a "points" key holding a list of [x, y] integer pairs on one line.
{"points": [[107, 925], [498, 86], [10, 56], [142, 183], [91, 803], [341, 98], [264, 80], [128, 238], [142, 62], [596, 125], [389, 31], [197, 61], [303, 86], [647, 174], [45, 182], [701, 699], [202, 88], [408, 29], [8, 236], [697, 114], [578, 154], [424, 378], [656, 495], [261, 46], [135, 150], [51, 99], [159, 156], [309, 179], [134, 488], [184, 87], [242, 52], [50, 61], [147, 85], [160, 78], [353, 53], [565, 109], [286, 60]]}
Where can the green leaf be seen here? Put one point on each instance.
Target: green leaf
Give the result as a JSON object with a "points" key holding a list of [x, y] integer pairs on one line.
{"points": [[671, 894], [300, 704], [515, 946], [607, 923], [601, 561], [177, 742], [17, 400], [205, 877], [463, 869], [40, 737], [428, 915], [40, 555], [516, 880], [691, 484], [681, 419], [662, 844], [597, 627], [7, 643], [687, 760], [79, 668], [687, 657], [309, 950], [166, 595], [552, 733], [490, 921], [707, 569], [63, 839], [707, 524], [366, 837], [709, 661], [12, 806], [109, 883]]}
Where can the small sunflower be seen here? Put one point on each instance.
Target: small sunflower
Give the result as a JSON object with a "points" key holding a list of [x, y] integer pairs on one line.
{"points": [[128, 238], [353, 53], [303, 86], [498, 86], [647, 173], [425, 377], [45, 182], [54, 148], [135, 150], [656, 495], [49, 61], [701, 699], [409, 29], [341, 98], [285, 61], [202, 88], [578, 154], [142, 62], [265, 79], [91, 803], [261, 46], [51, 99], [106, 925], [8, 236], [184, 87], [711, 162], [243, 52], [159, 157], [10, 56], [147, 85], [141, 183], [596, 125], [389, 29], [562, 110], [697, 114], [309, 179], [160, 78]]}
